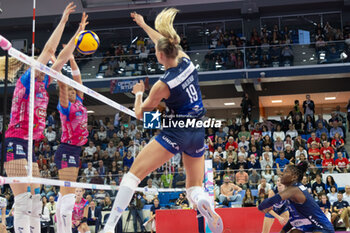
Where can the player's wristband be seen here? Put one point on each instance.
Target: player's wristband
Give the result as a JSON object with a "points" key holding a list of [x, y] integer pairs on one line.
{"points": [[75, 72], [267, 203], [139, 93]]}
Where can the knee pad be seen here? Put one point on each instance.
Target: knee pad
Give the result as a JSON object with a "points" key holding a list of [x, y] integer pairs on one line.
{"points": [[131, 181], [37, 206], [67, 204], [195, 193], [23, 203]]}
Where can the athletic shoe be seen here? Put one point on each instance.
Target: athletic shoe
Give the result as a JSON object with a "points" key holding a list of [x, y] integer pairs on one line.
{"points": [[340, 221], [213, 219], [348, 229]]}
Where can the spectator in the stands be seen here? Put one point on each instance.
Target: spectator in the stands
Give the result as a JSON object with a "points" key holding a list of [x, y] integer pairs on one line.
{"points": [[102, 170], [248, 199], [326, 149], [329, 183], [338, 143], [325, 205], [327, 160], [318, 186], [89, 172], [281, 162], [341, 163], [278, 145], [264, 185], [179, 178], [309, 107], [50, 135], [314, 152], [253, 161], [91, 149], [254, 179], [149, 193], [247, 106], [309, 125], [287, 55], [253, 61], [306, 183], [268, 174], [321, 129], [229, 163], [312, 139], [229, 191], [266, 161], [242, 178], [267, 142], [51, 120], [243, 142], [94, 216], [182, 201], [221, 153], [341, 211], [265, 131], [289, 153], [292, 132], [242, 153], [128, 159], [279, 133], [333, 55]]}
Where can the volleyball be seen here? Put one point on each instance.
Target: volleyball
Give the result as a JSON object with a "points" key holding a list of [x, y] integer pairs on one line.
{"points": [[87, 42]]}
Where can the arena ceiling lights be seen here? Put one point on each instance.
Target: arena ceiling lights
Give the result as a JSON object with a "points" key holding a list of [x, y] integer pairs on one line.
{"points": [[111, 3]]}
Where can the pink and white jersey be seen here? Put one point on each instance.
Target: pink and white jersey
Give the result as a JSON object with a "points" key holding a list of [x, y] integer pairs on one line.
{"points": [[74, 123], [78, 210], [19, 119]]}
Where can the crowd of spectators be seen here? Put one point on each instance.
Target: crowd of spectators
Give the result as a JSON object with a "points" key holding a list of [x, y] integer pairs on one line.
{"points": [[268, 47], [247, 157]]}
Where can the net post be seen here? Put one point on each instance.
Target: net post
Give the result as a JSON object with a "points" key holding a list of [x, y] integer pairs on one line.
{"points": [[3, 149]]}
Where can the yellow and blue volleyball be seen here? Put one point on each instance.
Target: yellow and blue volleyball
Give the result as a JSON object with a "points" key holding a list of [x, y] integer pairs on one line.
{"points": [[87, 42]]}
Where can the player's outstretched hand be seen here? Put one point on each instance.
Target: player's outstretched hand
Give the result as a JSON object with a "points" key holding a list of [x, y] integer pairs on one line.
{"points": [[70, 8], [83, 22], [137, 18]]}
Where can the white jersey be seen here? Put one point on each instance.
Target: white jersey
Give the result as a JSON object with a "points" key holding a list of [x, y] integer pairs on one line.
{"points": [[3, 202]]}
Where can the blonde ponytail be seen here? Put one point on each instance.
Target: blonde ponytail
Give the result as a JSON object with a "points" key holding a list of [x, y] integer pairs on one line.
{"points": [[164, 25]]}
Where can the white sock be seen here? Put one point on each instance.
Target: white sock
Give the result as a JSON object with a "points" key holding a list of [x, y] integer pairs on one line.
{"points": [[65, 205], [35, 214], [195, 193], [21, 216], [126, 191]]}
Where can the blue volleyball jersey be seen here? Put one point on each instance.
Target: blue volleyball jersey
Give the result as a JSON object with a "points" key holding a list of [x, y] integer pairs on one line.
{"points": [[185, 95], [308, 217]]}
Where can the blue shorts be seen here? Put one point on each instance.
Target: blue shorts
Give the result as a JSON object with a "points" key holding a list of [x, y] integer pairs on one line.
{"points": [[67, 156], [267, 215], [16, 148], [188, 140]]}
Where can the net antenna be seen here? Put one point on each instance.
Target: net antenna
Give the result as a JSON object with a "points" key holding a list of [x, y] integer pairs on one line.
{"points": [[31, 103]]}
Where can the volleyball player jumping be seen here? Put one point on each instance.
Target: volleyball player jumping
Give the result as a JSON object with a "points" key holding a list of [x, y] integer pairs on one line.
{"points": [[73, 116], [180, 88]]}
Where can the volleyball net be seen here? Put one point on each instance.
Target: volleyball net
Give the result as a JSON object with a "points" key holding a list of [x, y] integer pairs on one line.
{"points": [[18, 64]]}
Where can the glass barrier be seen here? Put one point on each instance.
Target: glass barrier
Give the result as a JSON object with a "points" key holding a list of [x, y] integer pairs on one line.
{"points": [[144, 62]]}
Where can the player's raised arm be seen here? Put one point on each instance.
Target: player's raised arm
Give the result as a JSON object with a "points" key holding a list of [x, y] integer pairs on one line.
{"points": [[52, 43]]}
